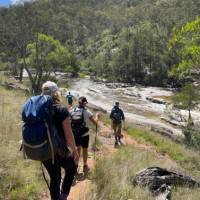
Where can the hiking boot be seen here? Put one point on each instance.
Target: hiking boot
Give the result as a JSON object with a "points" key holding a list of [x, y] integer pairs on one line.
{"points": [[86, 169], [74, 181], [116, 144], [63, 196]]}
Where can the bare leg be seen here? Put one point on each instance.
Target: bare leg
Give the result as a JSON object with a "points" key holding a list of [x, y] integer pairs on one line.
{"points": [[79, 150], [85, 156]]}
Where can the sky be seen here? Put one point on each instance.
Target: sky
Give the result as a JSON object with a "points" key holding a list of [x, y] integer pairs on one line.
{"points": [[11, 2], [5, 2]]}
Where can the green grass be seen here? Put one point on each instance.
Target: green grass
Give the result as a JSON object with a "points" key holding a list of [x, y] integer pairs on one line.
{"points": [[83, 74], [188, 159], [19, 178], [112, 177]]}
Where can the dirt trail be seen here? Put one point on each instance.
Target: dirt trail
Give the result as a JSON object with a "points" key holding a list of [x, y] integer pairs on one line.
{"points": [[81, 189]]}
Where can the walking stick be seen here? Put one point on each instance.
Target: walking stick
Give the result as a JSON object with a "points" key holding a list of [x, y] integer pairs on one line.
{"points": [[95, 143]]}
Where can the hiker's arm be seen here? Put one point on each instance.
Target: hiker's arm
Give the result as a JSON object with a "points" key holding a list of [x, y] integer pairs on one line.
{"points": [[123, 119], [111, 114], [94, 120], [122, 113], [70, 137]]}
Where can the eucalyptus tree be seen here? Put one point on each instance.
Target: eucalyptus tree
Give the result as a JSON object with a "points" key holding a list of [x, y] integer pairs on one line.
{"points": [[184, 48], [46, 55]]}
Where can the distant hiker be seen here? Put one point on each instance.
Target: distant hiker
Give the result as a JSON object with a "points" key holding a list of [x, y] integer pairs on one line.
{"points": [[61, 134], [116, 117], [70, 99], [79, 118]]}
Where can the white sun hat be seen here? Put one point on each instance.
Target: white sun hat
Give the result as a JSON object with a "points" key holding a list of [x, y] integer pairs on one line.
{"points": [[49, 87]]}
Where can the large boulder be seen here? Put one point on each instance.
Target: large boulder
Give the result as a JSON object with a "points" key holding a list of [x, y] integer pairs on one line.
{"points": [[159, 181]]}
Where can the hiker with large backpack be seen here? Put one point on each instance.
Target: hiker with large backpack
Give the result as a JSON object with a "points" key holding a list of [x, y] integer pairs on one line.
{"points": [[79, 117], [48, 137], [116, 116]]}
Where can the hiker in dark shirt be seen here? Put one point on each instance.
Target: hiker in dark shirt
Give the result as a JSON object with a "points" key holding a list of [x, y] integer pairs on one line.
{"points": [[70, 99], [63, 126], [116, 117]]}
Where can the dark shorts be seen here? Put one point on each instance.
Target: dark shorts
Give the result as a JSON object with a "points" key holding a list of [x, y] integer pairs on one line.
{"points": [[82, 141], [70, 101], [117, 128]]}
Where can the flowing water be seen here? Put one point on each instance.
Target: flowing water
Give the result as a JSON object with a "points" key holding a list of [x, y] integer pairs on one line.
{"points": [[137, 108]]}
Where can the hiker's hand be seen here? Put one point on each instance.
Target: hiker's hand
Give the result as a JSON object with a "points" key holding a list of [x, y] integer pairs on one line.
{"points": [[97, 116]]}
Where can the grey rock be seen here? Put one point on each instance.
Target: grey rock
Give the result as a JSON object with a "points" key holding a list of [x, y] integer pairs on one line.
{"points": [[159, 181]]}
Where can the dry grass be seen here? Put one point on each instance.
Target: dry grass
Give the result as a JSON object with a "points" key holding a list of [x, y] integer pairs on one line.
{"points": [[19, 177], [113, 177]]}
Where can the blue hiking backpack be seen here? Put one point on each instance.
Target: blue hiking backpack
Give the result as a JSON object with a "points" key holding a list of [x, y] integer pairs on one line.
{"points": [[40, 138]]}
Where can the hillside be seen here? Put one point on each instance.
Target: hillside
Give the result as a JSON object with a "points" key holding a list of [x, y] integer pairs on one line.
{"points": [[144, 54], [113, 169], [119, 40]]}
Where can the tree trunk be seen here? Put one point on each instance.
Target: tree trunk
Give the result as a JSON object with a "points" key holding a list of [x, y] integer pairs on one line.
{"points": [[21, 73]]}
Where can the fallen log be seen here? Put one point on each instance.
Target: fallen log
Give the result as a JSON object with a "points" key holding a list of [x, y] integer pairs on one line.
{"points": [[159, 181], [156, 100]]}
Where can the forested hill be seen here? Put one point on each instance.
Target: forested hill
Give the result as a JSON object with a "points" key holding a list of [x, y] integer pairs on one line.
{"points": [[120, 40]]}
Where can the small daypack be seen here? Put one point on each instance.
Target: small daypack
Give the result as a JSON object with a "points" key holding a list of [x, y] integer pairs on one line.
{"points": [[40, 138], [116, 116], [78, 123]]}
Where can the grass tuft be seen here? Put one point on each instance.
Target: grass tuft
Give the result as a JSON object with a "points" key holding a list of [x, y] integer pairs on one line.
{"points": [[186, 158], [19, 178]]}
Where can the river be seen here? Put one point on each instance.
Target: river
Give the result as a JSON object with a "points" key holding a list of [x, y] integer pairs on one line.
{"points": [[133, 100]]}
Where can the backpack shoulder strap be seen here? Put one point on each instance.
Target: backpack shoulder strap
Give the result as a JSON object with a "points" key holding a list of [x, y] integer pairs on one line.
{"points": [[83, 110]]}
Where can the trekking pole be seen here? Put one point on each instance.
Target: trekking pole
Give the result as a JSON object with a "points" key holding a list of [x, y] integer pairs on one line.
{"points": [[95, 142], [43, 174]]}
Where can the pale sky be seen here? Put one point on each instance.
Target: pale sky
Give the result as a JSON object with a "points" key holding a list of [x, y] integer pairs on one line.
{"points": [[12, 2]]}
